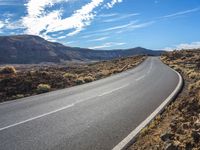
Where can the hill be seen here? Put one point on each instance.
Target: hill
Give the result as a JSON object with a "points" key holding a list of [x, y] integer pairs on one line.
{"points": [[29, 49]]}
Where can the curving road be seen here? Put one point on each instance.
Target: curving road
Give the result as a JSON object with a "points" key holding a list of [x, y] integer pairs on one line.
{"points": [[94, 116]]}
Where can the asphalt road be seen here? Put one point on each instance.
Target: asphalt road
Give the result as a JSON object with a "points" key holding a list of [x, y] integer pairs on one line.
{"points": [[94, 116]]}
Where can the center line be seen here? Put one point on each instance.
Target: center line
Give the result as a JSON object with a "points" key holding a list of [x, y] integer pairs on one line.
{"points": [[109, 92], [37, 117], [140, 78]]}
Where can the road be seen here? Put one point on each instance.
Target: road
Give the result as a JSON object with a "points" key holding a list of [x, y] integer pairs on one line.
{"points": [[93, 116]]}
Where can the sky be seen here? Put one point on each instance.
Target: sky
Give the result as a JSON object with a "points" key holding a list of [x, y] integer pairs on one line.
{"points": [[106, 24]]}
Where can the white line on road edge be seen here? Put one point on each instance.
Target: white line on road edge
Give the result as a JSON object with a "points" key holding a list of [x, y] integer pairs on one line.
{"points": [[109, 92], [131, 137]]}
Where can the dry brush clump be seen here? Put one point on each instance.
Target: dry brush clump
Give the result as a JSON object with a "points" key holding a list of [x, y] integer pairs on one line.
{"points": [[7, 70], [43, 88], [70, 76], [179, 126]]}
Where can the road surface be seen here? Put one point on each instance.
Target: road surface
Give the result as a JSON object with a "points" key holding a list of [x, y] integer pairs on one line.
{"points": [[94, 116]]}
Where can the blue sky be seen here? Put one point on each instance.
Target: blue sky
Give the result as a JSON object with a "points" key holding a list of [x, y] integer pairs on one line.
{"points": [[106, 24]]}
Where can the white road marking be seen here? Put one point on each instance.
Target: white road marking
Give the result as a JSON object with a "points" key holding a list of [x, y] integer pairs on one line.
{"points": [[150, 68], [114, 90], [37, 117], [140, 78]]}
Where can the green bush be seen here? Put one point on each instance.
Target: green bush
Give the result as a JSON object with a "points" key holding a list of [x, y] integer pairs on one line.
{"points": [[43, 88], [8, 70]]}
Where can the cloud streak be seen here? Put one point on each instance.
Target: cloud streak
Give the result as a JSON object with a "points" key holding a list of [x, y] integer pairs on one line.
{"points": [[107, 45], [118, 18], [99, 39], [181, 13]]}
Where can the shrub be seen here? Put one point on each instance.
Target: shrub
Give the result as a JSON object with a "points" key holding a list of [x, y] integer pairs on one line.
{"points": [[194, 86], [18, 96], [7, 70], [43, 88], [194, 75], [116, 71], [80, 80], [70, 76], [88, 79]]}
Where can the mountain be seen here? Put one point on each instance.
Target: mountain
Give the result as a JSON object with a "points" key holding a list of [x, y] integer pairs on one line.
{"points": [[29, 49]]}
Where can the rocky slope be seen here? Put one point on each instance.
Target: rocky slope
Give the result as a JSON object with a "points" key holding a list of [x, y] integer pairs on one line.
{"points": [[28, 49]]}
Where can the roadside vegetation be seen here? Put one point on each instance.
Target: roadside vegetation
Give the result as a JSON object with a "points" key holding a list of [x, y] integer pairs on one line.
{"points": [[25, 80], [178, 128]]}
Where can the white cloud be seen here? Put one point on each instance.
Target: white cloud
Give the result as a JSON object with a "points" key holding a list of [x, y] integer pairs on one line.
{"points": [[107, 45], [193, 45], [181, 13], [9, 24], [112, 3], [40, 22], [2, 24]]}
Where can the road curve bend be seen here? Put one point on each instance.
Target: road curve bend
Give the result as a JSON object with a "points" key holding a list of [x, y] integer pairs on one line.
{"points": [[93, 116]]}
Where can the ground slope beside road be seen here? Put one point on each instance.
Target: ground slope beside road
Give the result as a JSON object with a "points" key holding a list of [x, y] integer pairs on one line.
{"points": [[97, 115]]}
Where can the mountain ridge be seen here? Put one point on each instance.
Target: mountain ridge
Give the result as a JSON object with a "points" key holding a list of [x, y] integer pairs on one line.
{"points": [[31, 49]]}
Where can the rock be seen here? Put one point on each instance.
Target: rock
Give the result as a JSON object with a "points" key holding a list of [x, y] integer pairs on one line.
{"points": [[171, 147], [186, 125], [167, 136], [196, 136], [197, 125], [188, 146], [180, 130], [173, 126]]}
